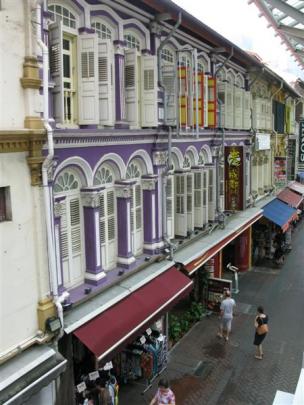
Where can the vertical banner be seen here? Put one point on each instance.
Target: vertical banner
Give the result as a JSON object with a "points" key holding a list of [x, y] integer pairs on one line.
{"points": [[301, 144], [234, 162]]}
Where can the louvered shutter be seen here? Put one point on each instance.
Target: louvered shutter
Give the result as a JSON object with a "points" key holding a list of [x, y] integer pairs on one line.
{"points": [[169, 82], [200, 87], [222, 107], [132, 87], [212, 102], [190, 203], [136, 220], [170, 207], [221, 188], [180, 205], [111, 230], [105, 82], [64, 243], [211, 193], [149, 116], [263, 113], [206, 78], [205, 196], [56, 69], [229, 106], [258, 113], [198, 199], [238, 108], [268, 124], [183, 95], [246, 110], [88, 79]]}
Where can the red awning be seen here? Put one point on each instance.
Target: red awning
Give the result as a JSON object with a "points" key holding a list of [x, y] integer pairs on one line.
{"points": [[126, 320], [290, 197], [195, 264]]}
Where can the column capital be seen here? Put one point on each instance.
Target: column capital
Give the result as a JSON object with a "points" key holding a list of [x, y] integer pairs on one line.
{"points": [[123, 188], [90, 197], [160, 157], [119, 47], [148, 182]]}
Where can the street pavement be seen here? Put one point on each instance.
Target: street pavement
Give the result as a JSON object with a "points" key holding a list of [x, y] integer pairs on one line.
{"points": [[204, 369]]}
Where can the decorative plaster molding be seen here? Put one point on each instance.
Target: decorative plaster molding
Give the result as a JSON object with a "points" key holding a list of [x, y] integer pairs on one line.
{"points": [[31, 79], [148, 183], [27, 140], [58, 209], [160, 158], [123, 191], [90, 199]]}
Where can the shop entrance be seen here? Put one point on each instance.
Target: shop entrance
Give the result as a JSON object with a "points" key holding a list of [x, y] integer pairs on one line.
{"points": [[228, 256]]}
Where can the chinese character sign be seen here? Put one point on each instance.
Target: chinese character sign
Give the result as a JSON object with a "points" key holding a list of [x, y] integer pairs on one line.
{"points": [[233, 178], [301, 142]]}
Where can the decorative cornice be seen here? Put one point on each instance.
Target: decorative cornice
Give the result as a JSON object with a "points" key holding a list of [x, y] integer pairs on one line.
{"points": [[123, 191], [30, 141], [149, 183]]}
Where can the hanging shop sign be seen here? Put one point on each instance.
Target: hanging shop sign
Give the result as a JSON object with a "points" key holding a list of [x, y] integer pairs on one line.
{"points": [[234, 162], [262, 142], [301, 142], [280, 172], [215, 291]]}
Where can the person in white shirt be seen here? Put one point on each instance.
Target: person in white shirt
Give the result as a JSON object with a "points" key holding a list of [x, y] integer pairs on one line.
{"points": [[227, 307]]}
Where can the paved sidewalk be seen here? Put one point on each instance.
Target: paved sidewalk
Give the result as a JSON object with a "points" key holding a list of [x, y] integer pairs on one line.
{"points": [[204, 369]]}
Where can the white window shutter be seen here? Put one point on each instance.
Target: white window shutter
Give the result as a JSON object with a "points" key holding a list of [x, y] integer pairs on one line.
{"points": [[132, 87], [246, 110], [211, 193], [222, 96], [149, 116], [268, 124], [205, 196], [238, 108], [206, 77], [105, 82], [169, 82], [56, 69], [170, 207], [136, 220], [88, 79], [190, 203], [180, 205], [221, 188], [107, 229], [198, 199], [229, 106]]}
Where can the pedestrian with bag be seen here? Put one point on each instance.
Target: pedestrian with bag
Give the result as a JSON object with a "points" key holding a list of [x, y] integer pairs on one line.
{"points": [[164, 395], [227, 308], [261, 330]]}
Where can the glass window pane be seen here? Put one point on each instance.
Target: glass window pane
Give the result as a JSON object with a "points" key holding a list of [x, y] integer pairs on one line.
{"points": [[66, 66]]}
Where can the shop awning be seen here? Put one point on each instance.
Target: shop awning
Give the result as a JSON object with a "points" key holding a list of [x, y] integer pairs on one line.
{"points": [[280, 213], [290, 197], [131, 316], [199, 252], [27, 373], [297, 187]]}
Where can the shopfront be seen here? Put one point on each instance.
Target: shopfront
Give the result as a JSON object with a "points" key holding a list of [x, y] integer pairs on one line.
{"points": [[127, 341]]}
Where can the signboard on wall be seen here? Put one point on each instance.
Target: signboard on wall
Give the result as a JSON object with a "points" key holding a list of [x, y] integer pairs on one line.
{"points": [[234, 162], [216, 288], [301, 142], [262, 142], [280, 170]]}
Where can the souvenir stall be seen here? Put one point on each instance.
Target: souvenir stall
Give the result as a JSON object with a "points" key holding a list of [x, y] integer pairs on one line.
{"points": [[139, 362]]}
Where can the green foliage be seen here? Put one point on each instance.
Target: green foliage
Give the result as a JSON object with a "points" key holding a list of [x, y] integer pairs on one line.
{"points": [[175, 330], [196, 311]]}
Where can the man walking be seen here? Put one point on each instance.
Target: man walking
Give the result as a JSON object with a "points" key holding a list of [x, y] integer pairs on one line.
{"points": [[227, 307]]}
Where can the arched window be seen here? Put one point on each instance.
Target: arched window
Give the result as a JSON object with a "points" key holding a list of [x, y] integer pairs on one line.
{"points": [[107, 216], [132, 41], [167, 55], [102, 30], [68, 186], [59, 12], [134, 173]]}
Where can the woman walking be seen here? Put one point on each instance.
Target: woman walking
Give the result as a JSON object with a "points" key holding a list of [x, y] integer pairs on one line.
{"points": [[261, 330]]}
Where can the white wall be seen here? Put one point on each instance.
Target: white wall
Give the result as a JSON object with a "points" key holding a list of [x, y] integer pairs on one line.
{"points": [[23, 272]]}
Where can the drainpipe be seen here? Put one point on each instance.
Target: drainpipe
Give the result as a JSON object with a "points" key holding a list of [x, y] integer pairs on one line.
{"points": [[220, 214], [47, 164], [165, 174]]}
